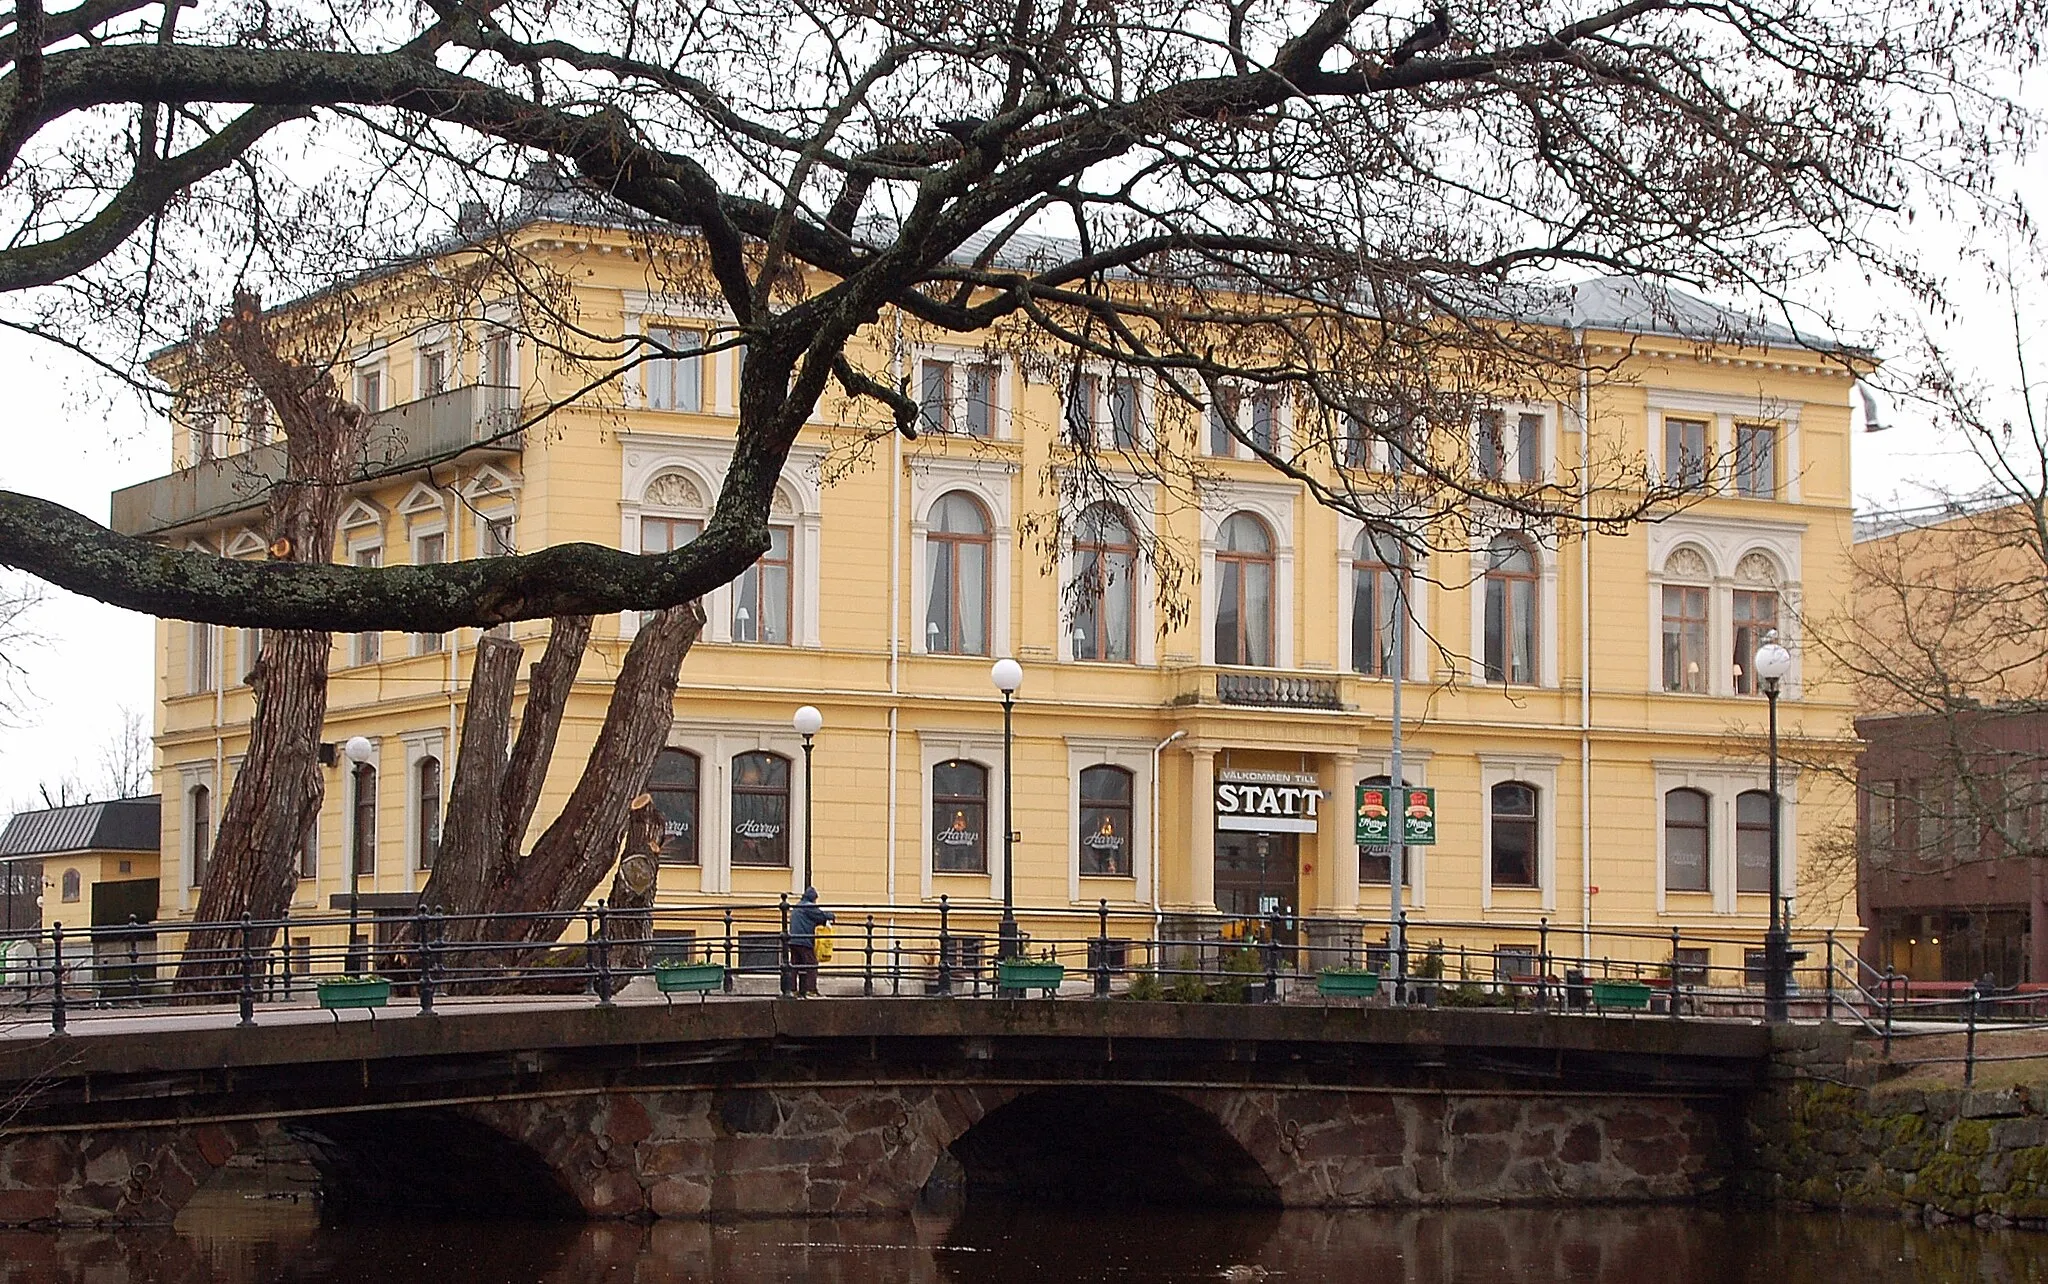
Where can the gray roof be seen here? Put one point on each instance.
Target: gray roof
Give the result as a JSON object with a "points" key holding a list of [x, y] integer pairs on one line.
{"points": [[118, 824], [1645, 305]]}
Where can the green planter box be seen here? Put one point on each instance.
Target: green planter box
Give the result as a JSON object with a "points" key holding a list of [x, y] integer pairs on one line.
{"points": [[686, 978], [1621, 994], [1350, 985], [368, 992], [1021, 975]]}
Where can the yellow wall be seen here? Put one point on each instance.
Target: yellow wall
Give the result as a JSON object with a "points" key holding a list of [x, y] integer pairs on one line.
{"points": [[1600, 704]]}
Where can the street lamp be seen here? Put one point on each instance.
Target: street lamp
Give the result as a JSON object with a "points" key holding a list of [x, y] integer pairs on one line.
{"points": [[807, 722], [1770, 664], [1008, 675], [357, 751]]}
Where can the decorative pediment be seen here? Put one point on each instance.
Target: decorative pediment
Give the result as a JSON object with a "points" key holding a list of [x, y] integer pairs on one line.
{"points": [[421, 500], [1687, 564], [1756, 568], [487, 481], [247, 544], [360, 513], [674, 490]]}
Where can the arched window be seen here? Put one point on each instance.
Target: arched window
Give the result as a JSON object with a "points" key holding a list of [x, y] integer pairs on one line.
{"points": [[1753, 841], [1105, 588], [426, 778], [760, 809], [1755, 614], [760, 599], [959, 817], [673, 782], [1686, 862], [1685, 622], [71, 885], [364, 782], [957, 547], [1244, 592], [1376, 860], [1510, 610], [200, 803], [1514, 834], [1105, 822], [1378, 582]]}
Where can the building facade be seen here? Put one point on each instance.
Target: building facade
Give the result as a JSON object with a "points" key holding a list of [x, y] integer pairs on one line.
{"points": [[1579, 706]]}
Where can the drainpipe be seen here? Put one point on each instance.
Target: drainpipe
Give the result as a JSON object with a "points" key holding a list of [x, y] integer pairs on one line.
{"points": [[1157, 919], [895, 604], [1585, 649]]}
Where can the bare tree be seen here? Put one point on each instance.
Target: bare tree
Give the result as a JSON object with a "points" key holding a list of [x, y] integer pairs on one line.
{"points": [[19, 597], [126, 757], [1345, 203]]}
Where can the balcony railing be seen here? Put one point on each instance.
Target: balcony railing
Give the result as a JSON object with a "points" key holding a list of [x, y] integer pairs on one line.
{"points": [[481, 419], [1273, 691]]}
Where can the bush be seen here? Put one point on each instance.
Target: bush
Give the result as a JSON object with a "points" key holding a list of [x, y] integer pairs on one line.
{"points": [[1469, 994], [1145, 988]]}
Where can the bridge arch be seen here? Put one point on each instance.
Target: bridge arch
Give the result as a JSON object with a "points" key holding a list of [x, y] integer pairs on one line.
{"points": [[1101, 1145], [430, 1163]]}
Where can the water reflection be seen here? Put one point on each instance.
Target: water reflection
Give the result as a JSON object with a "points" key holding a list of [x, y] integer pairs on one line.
{"points": [[263, 1243]]}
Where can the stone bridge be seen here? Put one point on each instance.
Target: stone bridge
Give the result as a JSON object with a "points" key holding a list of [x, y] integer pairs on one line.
{"points": [[775, 1107]]}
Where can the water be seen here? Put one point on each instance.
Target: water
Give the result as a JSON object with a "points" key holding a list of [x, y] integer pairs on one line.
{"points": [[263, 1242]]}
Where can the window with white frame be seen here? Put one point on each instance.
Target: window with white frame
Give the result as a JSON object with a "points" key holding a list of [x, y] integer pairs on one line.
{"points": [[1103, 594], [252, 651], [429, 548], [1512, 824], [368, 647], [1756, 461], [370, 389], [426, 787], [199, 831], [202, 644], [1688, 849], [1103, 410], [674, 379], [362, 786], [760, 809], [1685, 451], [1512, 637], [959, 817], [1754, 602], [761, 596], [1224, 401], [1508, 445], [1380, 584], [1685, 594], [957, 556], [1244, 591], [202, 429], [957, 396], [1106, 798], [1753, 841], [436, 370], [674, 784]]}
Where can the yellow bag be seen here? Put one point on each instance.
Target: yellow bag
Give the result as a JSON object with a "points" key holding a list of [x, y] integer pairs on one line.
{"points": [[824, 943]]}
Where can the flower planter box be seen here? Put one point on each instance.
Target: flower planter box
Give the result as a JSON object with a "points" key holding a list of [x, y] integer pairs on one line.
{"points": [[1621, 994], [1349, 985], [684, 978], [370, 992], [1020, 975]]}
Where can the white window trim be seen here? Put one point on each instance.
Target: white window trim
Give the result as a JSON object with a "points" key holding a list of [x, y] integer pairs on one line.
{"points": [[1511, 413], [1549, 570], [1722, 783], [438, 339], [715, 373], [373, 361], [1415, 771], [419, 745], [1134, 756], [1416, 654], [203, 653], [190, 777], [1102, 427], [1144, 588], [716, 744], [437, 525], [1274, 503], [348, 818], [1539, 770], [1723, 411], [932, 478], [1724, 543], [1002, 408], [704, 461], [987, 750], [499, 319], [351, 547], [1283, 420]]}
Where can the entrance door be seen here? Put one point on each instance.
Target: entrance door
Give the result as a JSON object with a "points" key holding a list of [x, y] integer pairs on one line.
{"points": [[1255, 874]]}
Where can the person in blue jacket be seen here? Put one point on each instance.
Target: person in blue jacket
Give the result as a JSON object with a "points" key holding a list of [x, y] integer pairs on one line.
{"points": [[804, 921]]}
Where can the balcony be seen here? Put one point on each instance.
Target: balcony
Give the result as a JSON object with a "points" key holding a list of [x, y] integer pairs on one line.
{"points": [[1255, 689], [478, 421]]}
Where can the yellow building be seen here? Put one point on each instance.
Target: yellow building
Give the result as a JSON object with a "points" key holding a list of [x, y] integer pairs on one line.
{"points": [[1578, 706], [93, 864]]}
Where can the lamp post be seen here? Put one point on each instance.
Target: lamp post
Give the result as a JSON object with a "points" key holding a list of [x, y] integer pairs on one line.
{"points": [[1008, 675], [1771, 663], [357, 751], [807, 722]]}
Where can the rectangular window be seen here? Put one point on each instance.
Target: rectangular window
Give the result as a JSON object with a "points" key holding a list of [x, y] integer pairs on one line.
{"points": [[1266, 420], [981, 401], [370, 390], [1123, 413], [200, 640], [369, 647], [1756, 461], [433, 373], [760, 610], [959, 817], [1354, 444], [1514, 963], [1106, 810], [252, 651], [1685, 452], [1528, 448], [427, 780], [1222, 415], [935, 396], [309, 850], [1685, 638], [1756, 614], [1083, 391], [1491, 447], [676, 382], [760, 810], [1693, 964], [429, 550]]}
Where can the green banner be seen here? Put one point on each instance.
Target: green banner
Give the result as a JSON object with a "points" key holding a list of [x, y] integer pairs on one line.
{"points": [[1377, 805]]}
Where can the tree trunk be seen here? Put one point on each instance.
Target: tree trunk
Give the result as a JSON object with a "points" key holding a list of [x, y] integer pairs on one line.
{"points": [[633, 887], [471, 830], [574, 852], [547, 694]]}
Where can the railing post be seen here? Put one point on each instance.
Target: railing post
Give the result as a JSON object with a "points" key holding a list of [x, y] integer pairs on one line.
{"points": [[601, 946], [1887, 1012], [1543, 962], [1272, 951], [422, 934], [1831, 974], [134, 958], [728, 949], [1401, 962], [867, 959], [1102, 948], [945, 946], [787, 968], [247, 996], [56, 978], [1674, 974], [1970, 1041], [895, 963], [284, 952]]}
